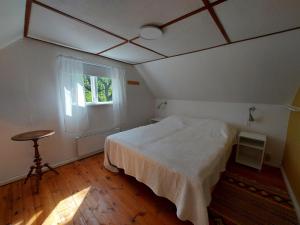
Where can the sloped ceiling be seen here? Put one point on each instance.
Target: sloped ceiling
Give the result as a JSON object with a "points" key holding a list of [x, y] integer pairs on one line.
{"points": [[111, 28], [11, 21], [244, 51], [264, 70]]}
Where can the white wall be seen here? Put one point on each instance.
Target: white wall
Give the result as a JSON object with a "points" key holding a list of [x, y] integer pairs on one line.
{"points": [[28, 97], [271, 120]]}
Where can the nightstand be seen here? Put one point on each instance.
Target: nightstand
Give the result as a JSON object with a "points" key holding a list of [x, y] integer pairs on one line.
{"points": [[155, 120], [251, 149]]}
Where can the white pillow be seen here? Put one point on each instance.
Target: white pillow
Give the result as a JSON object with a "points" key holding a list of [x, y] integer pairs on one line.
{"points": [[172, 121]]}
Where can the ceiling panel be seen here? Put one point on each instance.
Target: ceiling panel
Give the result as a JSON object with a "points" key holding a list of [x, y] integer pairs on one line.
{"points": [[11, 21], [125, 17], [196, 32], [249, 18], [131, 54], [53, 27]]}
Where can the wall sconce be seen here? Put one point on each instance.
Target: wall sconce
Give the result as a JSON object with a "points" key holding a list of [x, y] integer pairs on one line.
{"points": [[251, 110], [162, 104]]}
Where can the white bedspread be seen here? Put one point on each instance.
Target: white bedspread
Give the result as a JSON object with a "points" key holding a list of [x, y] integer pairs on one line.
{"points": [[178, 158]]}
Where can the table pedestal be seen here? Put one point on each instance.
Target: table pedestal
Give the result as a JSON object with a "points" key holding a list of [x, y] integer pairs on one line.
{"points": [[36, 170]]}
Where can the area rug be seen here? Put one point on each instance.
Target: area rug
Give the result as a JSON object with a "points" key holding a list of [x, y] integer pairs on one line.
{"points": [[240, 201]]}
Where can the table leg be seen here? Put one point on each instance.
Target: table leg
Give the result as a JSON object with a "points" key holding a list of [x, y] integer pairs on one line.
{"points": [[29, 174], [50, 168], [38, 166]]}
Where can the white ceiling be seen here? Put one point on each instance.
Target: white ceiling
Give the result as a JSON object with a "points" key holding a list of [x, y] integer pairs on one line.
{"points": [[125, 17], [11, 21], [249, 18], [131, 54], [264, 70], [197, 32], [68, 32], [121, 20], [184, 31]]}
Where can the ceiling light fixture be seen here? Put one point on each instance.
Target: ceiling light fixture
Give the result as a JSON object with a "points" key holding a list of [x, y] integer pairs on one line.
{"points": [[150, 32]]}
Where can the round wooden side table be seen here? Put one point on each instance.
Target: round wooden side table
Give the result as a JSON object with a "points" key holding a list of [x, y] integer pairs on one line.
{"points": [[35, 170]]}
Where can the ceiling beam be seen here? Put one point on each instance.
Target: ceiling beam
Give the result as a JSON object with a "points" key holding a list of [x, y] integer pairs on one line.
{"points": [[123, 43], [231, 43], [205, 7], [132, 39], [217, 20], [217, 3], [141, 46], [183, 17], [74, 18], [27, 17]]}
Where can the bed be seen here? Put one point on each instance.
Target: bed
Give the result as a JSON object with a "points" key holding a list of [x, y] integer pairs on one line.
{"points": [[179, 158]]}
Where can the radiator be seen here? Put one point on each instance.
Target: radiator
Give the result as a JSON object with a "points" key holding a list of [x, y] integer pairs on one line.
{"points": [[92, 143]]}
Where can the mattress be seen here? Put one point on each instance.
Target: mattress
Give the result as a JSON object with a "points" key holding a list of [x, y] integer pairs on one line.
{"points": [[179, 158]]}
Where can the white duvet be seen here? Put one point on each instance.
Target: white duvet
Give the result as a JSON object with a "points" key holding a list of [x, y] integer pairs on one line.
{"points": [[178, 158]]}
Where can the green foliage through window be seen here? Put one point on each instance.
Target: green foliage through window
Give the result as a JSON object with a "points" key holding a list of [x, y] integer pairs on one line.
{"points": [[104, 89], [100, 92], [87, 88]]}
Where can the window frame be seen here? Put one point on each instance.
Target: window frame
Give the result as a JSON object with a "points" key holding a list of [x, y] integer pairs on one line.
{"points": [[94, 91], [98, 103]]}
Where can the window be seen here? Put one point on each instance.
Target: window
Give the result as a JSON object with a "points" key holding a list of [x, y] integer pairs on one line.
{"points": [[98, 90]]}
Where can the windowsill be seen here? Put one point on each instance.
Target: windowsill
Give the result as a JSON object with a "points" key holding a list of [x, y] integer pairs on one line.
{"points": [[98, 103]]}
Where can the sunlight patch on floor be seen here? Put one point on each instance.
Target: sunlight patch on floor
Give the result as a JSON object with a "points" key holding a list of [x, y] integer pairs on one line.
{"points": [[33, 218], [67, 208], [19, 223]]}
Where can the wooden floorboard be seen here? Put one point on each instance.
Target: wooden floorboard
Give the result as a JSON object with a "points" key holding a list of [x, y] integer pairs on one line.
{"points": [[85, 193]]}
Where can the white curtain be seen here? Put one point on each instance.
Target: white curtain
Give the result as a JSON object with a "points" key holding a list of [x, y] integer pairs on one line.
{"points": [[72, 95], [119, 97]]}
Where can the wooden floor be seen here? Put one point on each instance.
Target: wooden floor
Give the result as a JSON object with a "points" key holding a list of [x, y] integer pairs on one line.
{"points": [[268, 175], [86, 193]]}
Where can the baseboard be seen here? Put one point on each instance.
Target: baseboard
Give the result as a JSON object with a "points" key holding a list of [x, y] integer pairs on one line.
{"points": [[90, 154], [16, 178], [291, 193], [13, 179]]}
